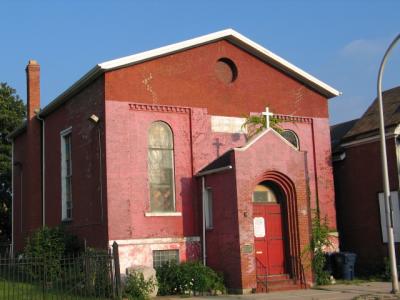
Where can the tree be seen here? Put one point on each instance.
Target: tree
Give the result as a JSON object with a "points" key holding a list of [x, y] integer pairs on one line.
{"points": [[12, 114]]}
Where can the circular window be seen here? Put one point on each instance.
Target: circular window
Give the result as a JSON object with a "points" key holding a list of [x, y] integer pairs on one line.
{"points": [[291, 137], [226, 70]]}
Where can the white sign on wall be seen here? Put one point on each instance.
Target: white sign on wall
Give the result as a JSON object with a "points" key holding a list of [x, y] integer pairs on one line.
{"points": [[259, 227], [394, 197]]}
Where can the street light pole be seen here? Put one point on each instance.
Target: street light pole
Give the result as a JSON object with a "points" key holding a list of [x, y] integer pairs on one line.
{"points": [[388, 204]]}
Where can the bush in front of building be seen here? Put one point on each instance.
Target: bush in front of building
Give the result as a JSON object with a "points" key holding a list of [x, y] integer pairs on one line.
{"points": [[49, 245], [188, 278], [137, 287]]}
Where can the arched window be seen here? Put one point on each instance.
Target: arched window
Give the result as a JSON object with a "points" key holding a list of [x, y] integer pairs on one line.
{"points": [[264, 194], [291, 137], [161, 168]]}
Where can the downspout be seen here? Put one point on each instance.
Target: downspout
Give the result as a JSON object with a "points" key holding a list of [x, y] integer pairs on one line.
{"points": [[315, 168], [43, 171], [12, 199], [100, 176]]}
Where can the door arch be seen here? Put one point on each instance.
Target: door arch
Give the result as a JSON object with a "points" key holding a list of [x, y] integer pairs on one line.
{"points": [[269, 228], [286, 191]]}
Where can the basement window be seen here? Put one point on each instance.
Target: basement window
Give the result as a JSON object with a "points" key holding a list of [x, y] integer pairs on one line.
{"points": [[161, 257]]}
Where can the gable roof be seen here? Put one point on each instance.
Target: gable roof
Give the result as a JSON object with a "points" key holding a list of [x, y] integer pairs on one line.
{"points": [[229, 34], [338, 131], [368, 124]]}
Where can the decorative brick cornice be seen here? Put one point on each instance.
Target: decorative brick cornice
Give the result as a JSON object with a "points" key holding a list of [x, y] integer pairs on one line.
{"points": [[159, 108], [293, 118]]}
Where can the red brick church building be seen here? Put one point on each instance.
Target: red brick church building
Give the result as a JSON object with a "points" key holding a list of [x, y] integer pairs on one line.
{"points": [[148, 150]]}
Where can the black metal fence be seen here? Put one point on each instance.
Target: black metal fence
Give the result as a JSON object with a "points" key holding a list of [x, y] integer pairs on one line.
{"points": [[91, 275]]}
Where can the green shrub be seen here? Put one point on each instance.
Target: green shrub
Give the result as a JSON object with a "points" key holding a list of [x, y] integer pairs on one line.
{"points": [[45, 249], [320, 240], [188, 278], [137, 287], [54, 241], [96, 272]]}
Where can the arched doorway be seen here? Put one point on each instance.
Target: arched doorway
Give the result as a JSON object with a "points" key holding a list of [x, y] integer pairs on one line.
{"points": [[269, 229]]}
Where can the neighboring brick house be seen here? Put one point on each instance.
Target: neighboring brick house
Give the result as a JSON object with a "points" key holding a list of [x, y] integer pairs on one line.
{"points": [[137, 148], [359, 185]]}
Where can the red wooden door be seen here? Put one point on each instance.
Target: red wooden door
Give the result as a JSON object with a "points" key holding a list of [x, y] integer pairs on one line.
{"points": [[269, 246]]}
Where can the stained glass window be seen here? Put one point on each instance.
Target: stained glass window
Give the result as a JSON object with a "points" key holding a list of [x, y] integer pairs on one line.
{"points": [[161, 168], [291, 137]]}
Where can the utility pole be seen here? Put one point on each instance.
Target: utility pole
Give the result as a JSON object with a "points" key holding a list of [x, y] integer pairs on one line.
{"points": [[388, 204]]}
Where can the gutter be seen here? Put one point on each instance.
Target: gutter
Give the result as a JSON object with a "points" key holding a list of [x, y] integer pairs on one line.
{"points": [[213, 171], [86, 79]]}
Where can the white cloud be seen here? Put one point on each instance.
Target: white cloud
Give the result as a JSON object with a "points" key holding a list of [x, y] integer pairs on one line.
{"points": [[365, 48]]}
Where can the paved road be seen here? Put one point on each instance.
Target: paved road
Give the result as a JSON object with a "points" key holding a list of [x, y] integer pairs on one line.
{"points": [[368, 291]]}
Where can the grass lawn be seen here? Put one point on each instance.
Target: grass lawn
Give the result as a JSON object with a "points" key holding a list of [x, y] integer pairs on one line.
{"points": [[15, 290]]}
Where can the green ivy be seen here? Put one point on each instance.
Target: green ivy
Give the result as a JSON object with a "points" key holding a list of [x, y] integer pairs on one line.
{"points": [[257, 123], [320, 240]]}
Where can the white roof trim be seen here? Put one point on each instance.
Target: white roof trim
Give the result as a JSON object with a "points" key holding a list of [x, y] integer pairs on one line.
{"points": [[228, 34], [234, 37], [260, 135]]}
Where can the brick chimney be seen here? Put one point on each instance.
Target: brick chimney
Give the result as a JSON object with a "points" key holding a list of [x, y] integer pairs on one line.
{"points": [[33, 88]]}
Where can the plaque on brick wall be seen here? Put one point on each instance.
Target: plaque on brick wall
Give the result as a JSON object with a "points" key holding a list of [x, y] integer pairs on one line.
{"points": [[247, 248]]}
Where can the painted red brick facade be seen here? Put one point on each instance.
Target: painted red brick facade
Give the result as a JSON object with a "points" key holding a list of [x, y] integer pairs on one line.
{"points": [[357, 203], [111, 191]]}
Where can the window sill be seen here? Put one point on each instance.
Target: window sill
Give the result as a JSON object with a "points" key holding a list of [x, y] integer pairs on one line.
{"points": [[163, 214], [66, 221]]}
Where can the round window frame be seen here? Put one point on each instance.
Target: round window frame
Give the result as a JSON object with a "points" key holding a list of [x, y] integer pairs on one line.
{"points": [[232, 67]]}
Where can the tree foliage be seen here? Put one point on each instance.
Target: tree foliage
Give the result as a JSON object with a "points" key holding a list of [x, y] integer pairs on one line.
{"points": [[12, 114], [257, 123]]}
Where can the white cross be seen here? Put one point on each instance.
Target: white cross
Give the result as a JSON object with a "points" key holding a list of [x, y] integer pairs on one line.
{"points": [[267, 115]]}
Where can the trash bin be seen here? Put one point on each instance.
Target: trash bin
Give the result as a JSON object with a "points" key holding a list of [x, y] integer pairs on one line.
{"points": [[329, 263], [344, 265]]}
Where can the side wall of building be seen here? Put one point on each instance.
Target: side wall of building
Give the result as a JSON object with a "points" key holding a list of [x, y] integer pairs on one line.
{"points": [[358, 180], [223, 240]]}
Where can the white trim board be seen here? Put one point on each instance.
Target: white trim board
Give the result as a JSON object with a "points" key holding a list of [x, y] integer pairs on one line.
{"points": [[155, 241], [260, 135]]}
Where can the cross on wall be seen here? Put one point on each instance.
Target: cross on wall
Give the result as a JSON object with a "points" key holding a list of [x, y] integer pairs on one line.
{"points": [[267, 115]]}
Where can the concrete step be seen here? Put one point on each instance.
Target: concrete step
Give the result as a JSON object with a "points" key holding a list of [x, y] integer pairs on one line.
{"points": [[274, 283]]}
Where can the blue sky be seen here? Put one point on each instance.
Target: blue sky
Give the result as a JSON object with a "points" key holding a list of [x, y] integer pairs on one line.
{"points": [[339, 42]]}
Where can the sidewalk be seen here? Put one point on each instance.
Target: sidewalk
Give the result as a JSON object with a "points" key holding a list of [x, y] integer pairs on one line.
{"points": [[369, 291]]}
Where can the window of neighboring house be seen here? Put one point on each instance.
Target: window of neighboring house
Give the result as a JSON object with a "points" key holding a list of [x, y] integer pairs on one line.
{"points": [[209, 209], [398, 157], [161, 168], [291, 137], [161, 257], [66, 175], [394, 197]]}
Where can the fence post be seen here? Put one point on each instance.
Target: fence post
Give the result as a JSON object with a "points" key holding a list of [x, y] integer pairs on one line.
{"points": [[117, 270]]}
